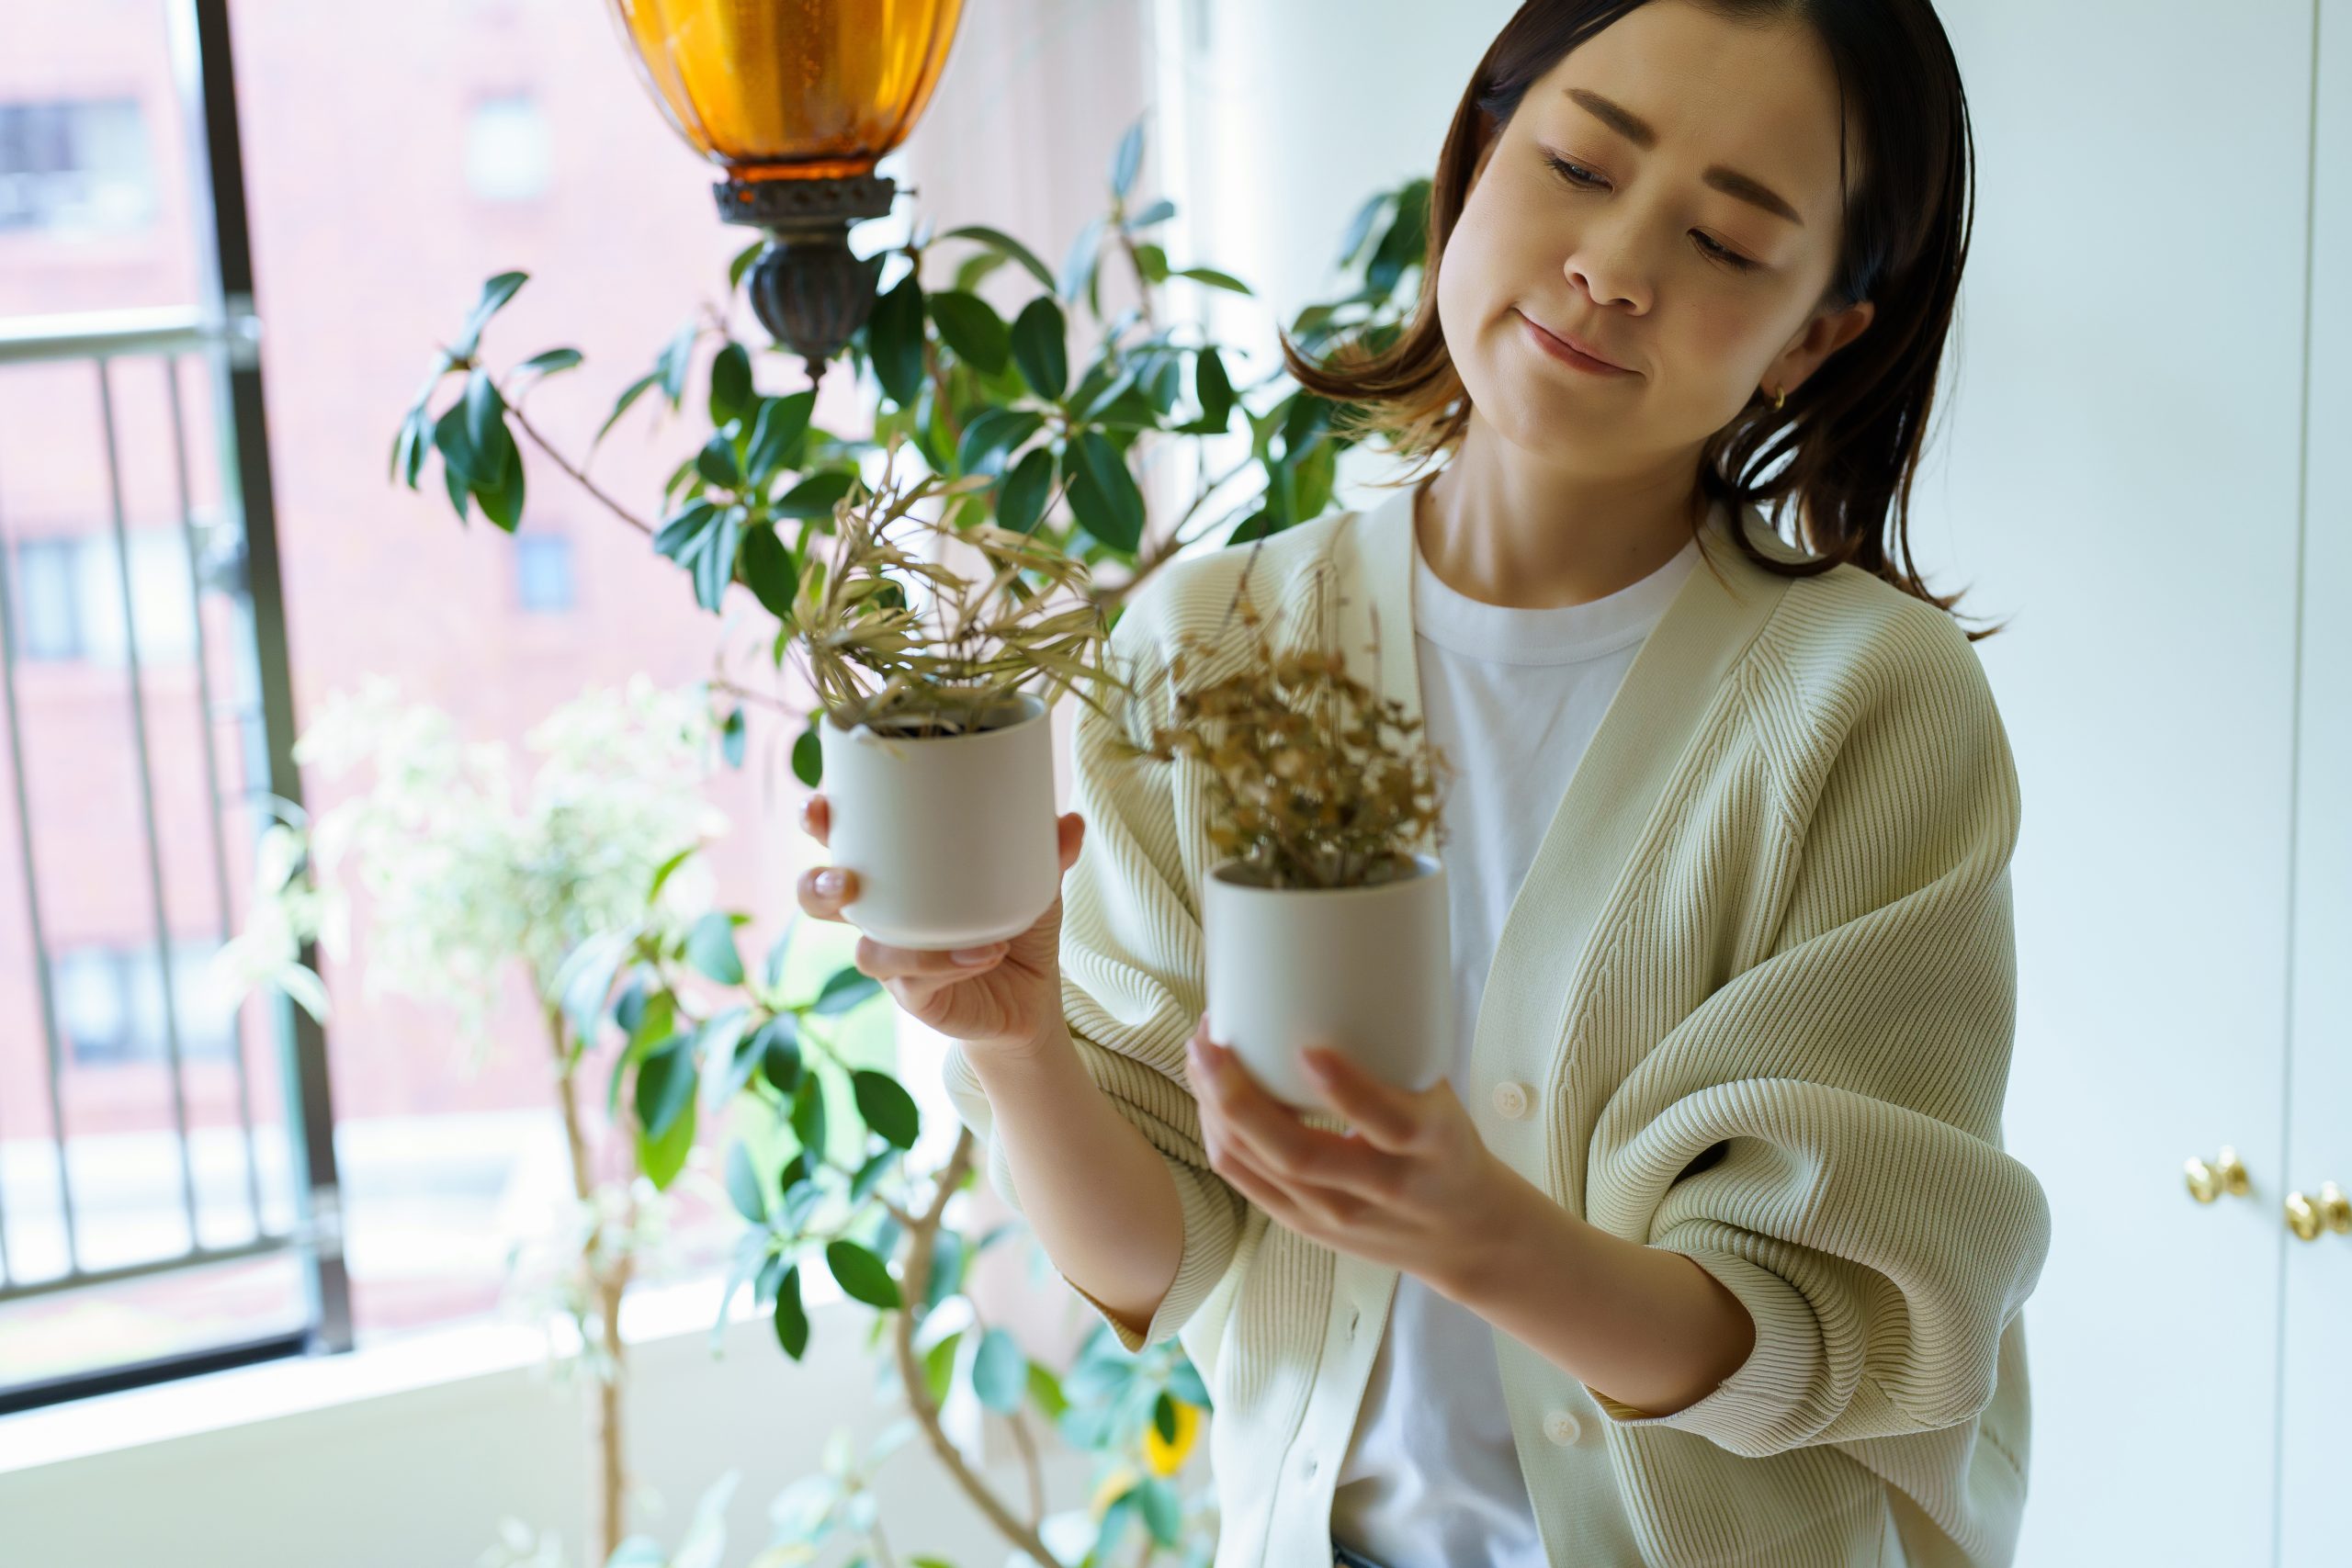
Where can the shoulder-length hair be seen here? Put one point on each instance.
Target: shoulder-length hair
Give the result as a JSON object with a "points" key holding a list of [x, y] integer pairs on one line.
{"points": [[1842, 454]]}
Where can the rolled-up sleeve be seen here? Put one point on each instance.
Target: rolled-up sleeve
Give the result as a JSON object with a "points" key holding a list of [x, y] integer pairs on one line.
{"points": [[1860, 1206]]}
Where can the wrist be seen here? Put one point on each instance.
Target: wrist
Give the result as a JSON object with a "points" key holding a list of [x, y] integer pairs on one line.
{"points": [[1516, 1221]]}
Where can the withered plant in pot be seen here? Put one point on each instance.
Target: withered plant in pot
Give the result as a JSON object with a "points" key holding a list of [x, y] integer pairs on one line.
{"points": [[1326, 923], [936, 690]]}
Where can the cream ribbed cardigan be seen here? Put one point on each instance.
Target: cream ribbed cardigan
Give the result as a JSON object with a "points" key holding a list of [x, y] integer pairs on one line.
{"points": [[1769, 922]]}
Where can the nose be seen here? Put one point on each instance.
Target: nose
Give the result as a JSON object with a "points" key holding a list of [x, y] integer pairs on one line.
{"points": [[1604, 263]]}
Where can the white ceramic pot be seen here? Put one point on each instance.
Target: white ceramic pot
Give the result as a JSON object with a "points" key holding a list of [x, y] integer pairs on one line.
{"points": [[952, 836], [1366, 970]]}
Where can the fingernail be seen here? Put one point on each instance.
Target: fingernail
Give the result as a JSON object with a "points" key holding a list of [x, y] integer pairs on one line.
{"points": [[977, 954], [829, 882]]}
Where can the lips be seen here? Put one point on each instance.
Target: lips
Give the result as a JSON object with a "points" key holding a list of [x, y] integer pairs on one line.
{"points": [[1588, 350]]}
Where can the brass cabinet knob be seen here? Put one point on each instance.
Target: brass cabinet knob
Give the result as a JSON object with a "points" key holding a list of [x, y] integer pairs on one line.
{"points": [[2226, 1174], [2330, 1211]]}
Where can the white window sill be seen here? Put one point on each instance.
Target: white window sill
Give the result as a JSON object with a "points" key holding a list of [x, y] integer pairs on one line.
{"points": [[267, 1390]]}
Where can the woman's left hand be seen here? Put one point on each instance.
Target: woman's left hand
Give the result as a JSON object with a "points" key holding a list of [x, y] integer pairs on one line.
{"points": [[1410, 1185]]}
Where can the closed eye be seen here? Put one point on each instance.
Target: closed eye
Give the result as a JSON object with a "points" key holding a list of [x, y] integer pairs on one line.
{"points": [[1578, 175]]}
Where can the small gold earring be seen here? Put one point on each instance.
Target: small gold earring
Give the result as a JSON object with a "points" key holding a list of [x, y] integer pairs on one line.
{"points": [[1780, 398]]}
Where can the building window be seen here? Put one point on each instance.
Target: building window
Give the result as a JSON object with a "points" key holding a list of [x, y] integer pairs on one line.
{"points": [[110, 1004], [74, 165], [543, 579], [507, 150], [69, 598]]}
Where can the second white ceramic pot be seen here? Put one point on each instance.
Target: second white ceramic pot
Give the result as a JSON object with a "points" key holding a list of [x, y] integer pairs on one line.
{"points": [[1366, 970], [952, 836]]}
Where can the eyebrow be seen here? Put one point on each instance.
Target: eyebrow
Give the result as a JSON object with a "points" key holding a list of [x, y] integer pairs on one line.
{"points": [[1639, 131]]}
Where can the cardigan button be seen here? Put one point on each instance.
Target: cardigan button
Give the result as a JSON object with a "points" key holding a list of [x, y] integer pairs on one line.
{"points": [[1511, 1098], [1562, 1427]]}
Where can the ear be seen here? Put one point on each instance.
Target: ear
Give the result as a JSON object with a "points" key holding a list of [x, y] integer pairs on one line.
{"points": [[1829, 332]]}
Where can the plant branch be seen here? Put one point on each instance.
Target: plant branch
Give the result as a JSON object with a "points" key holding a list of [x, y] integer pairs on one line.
{"points": [[579, 475]]}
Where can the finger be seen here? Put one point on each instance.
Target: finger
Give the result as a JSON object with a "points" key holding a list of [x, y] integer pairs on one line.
{"points": [[823, 889], [1388, 1117], [885, 962], [1305, 1207], [1271, 1134], [1070, 827], [817, 818]]}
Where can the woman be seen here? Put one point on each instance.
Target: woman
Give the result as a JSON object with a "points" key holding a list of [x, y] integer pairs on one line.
{"points": [[1707, 1251]]}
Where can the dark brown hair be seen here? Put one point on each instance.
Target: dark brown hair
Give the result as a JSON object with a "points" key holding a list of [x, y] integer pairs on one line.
{"points": [[1843, 453]]}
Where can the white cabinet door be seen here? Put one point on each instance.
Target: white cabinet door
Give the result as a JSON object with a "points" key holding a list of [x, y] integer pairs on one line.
{"points": [[2121, 476], [2317, 1463]]}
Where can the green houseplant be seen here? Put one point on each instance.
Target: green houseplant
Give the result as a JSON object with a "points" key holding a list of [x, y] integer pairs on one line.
{"points": [[1029, 433]]}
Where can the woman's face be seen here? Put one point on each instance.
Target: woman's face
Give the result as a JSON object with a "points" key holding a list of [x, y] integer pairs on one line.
{"points": [[1668, 195]]}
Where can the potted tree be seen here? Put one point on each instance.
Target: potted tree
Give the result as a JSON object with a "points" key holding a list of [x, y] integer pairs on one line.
{"points": [[936, 750], [1326, 923]]}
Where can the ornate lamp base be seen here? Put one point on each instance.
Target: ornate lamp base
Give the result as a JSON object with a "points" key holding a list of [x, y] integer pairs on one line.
{"points": [[806, 287]]}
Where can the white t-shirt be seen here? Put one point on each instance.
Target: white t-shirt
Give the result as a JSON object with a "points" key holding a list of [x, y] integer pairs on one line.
{"points": [[1432, 1478]]}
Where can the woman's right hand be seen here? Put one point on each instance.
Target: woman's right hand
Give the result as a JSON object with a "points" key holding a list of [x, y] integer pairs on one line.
{"points": [[1010, 999]]}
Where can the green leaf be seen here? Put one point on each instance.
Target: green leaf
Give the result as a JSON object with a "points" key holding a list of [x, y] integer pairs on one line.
{"points": [[1079, 266], [1046, 1392], [864, 1277], [869, 1175], [843, 989], [549, 363], [743, 1184], [1023, 494], [1103, 493], [1005, 245], [457, 448], [710, 947], [1163, 1511], [585, 978], [1214, 278], [1040, 348], [730, 382], [620, 406], [791, 1318], [894, 341], [809, 1117], [716, 462], [665, 1085], [886, 1106], [493, 449], [415, 438], [715, 567], [992, 435], [1184, 1382], [671, 369], [1000, 1372], [767, 566], [495, 294], [939, 1367], [1163, 1418], [777, 1045], [661, 1158], [502, 502], [1214, 389], [816, 495], [1159, 212], [809, 757], [974, 331], [731, 737], [1127, 160], [742, 263], [781, 422]]}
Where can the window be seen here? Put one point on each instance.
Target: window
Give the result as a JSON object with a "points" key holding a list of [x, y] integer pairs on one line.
{"points": [[69, 598], [507, 151], [543, 579], [74, 165], [111, 1007]]}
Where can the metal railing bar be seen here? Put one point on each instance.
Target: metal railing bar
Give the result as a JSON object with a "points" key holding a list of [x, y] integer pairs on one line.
{"points": [[147, 803], [196, 1257], [171, 368], [102, 334], [140, 1374], [53, 1058]]}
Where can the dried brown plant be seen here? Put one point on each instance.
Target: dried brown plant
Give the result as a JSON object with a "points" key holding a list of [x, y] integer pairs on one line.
{"points": [[873, 657], [1316, 780]]}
